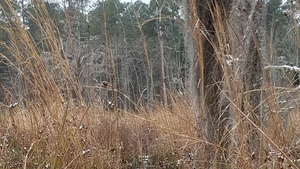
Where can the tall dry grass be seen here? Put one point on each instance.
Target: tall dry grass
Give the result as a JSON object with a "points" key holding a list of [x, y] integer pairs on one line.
{"points": [[48, 130], [276, 140], [256, 135]]}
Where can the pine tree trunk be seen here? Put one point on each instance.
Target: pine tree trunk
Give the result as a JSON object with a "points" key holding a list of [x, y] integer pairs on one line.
{"points": [[207, 73], [162, 57], [253, 70]]}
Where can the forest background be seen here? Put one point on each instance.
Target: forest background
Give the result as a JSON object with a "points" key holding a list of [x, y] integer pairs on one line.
{"points": [[107, 84]]}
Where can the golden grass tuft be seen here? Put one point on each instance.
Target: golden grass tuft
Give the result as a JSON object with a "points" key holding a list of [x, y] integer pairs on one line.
{"points": [[86, 138]]}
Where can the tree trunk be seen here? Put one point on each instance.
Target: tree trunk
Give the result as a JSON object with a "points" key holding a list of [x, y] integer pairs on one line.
{"points": [[206, 42], [253, 70], [206, 72], [162, 57]]}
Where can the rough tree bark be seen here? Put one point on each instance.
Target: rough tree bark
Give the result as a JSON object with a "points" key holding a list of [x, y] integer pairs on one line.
{"points": [[254, 46], [206, 71], [207, 68], [248, 25]]}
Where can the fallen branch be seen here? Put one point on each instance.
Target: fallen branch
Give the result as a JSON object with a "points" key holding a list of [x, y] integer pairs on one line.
{"points": [[283, 67]]}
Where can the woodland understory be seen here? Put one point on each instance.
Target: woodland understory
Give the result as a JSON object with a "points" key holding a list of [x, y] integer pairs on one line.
{"points": [[169, 84]]}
